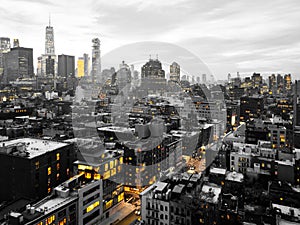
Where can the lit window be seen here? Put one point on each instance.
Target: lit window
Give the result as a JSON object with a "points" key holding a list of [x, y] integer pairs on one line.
{"points": [[57, 156], [83, 167], [68, 171], [37, 165], [106, 175], [57, 166], [50, 220], [57, 176], [97, 176], [88, 175], [120, 197], [49, 190], [111, 164], [121, 160], [108, 204], [92, 206], [49, 170]]}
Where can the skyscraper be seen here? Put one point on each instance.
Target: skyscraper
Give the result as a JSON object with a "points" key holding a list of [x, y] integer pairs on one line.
{"points": [[66, 65], [96, 61], [86, 64], [16, 43], [175, 72], [80, 67], [18, 63], [4, 48], [49, 40], [48, 61]]}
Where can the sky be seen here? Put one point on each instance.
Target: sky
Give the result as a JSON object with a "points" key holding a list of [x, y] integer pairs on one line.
{"points": [[229, 36]]}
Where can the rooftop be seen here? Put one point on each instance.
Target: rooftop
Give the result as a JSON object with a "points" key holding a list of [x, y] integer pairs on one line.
{"points": [[210, 193], [234, 176], [217, 171], [29, 147]]}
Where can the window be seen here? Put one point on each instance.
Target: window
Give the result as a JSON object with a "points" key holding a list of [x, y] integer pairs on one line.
{"points": [[92, 206], [49, 170], [57, 156], [37, 165]]}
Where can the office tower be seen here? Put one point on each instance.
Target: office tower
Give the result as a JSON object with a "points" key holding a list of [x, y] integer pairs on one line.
{"points": [[96, 61], [251, 107], [4, 48], [153, 69], [272, 83], [18, 63], [66, 66], [80, 67], [48, 61], [175, 72], [256, 80], [153, 77], [203, 78], [86, 64], [279, 84], [16, 43], [123, 76], [287, 83], [39, 166]]}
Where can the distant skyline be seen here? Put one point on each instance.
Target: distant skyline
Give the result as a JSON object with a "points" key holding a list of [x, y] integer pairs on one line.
{"points": [[228, 36]]}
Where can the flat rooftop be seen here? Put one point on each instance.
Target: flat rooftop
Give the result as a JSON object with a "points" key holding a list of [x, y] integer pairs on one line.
{"points": [[218, 171], [210, 193], [30, 147], [234, 176]]}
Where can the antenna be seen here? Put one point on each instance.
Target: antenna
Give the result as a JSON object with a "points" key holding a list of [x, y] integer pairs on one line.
{"points": [[150, 56], [156, 56], [49, 19]]}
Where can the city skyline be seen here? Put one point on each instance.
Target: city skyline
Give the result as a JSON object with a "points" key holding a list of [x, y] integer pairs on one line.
{"points": [[227, 36]]}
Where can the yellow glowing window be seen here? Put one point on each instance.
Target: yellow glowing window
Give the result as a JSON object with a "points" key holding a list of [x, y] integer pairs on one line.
{"points": [[113, 171], [49, 170], [63, 222], [121, 160], [50, 220], [49, 190], [97, 176], [57, 176], [88, 175], [120, 197], [129, 158], [262, 165], [119, 169], [281, 199], [57, 156], [116, 162], [105, 167], [40, 223], [92, 206], [111, 164], [108, 204], [68, 171], [83, 167], [57, 166], [106, 175]]}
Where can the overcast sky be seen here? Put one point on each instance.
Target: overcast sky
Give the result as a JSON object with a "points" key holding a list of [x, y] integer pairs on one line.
{"points": [[228, 35]]}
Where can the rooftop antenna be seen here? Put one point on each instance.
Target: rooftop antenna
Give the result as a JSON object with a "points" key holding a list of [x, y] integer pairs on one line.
{"points": [[156, 56], [49, 19], [150, 56]]}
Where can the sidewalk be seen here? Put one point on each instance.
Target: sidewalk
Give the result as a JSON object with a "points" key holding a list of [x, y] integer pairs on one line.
{"points": [[118, 213]]}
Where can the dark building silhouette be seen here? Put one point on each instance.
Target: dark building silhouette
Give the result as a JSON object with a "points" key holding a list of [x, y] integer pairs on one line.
{"points": [[33, 167], [66, 65], [18, 63], [251, 107]]}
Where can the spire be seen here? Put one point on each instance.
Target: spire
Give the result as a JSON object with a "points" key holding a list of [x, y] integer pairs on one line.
{"points": [[49, 19]]}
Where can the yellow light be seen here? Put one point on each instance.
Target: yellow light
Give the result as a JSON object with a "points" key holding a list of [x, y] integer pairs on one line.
{"points": [[106, 175], [121, 197], [105, 167], [92, 206], [281, 199], [49, 170], [84, 167], [108, 204], [97, 176], [88, 175], [50, 220], [57, 156], [111, 164], [121, 160]]}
